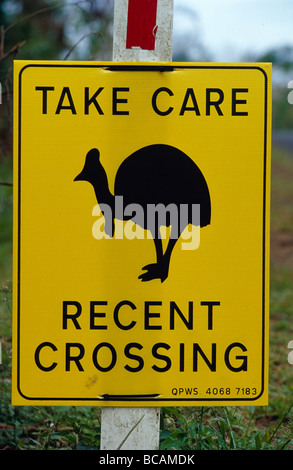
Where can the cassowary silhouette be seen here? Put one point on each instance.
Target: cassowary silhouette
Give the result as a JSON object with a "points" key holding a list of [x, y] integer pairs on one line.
{"points": [[156, 174]]}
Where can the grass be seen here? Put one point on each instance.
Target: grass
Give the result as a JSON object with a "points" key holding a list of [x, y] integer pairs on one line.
{"points": [[199, 428]]}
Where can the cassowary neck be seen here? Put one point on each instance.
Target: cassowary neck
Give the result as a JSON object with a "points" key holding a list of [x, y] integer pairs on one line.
{"points": [[105, 197], [102, 192]]}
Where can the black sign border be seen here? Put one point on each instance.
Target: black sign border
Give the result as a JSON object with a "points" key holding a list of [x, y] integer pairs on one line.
{"points": [[139, 399]]}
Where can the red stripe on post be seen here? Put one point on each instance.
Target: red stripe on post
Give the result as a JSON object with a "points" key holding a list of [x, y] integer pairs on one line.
{"points": [[141, 25]]}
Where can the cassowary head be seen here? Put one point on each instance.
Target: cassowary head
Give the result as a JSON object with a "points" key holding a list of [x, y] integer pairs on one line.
{"points": [[93, 172]]}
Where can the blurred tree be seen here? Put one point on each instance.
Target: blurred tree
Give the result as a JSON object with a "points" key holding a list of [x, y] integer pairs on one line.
{"points": [[282, 111], [39, 28], [89, 30], [282, 60], [281, 57]]}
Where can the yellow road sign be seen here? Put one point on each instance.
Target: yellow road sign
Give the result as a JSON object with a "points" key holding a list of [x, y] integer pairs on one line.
{"points": [[141, 234]]}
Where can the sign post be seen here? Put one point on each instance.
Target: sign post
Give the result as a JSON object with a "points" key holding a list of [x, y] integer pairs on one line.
{"points": [[142, 32]]}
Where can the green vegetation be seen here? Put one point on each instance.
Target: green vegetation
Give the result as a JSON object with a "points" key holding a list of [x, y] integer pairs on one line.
{"points": [[282, 60], [206, 428]]}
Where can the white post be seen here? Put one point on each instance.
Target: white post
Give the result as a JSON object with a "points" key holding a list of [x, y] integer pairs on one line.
{"points": [[162, 32], [137, 428], [130, 428]]}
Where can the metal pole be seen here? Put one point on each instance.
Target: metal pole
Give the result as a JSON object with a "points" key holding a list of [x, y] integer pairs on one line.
{"points": [[141, 33]]}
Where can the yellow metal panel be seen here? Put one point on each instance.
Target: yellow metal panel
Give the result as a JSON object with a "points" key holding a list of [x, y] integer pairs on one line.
{"points": [[90, 326]]}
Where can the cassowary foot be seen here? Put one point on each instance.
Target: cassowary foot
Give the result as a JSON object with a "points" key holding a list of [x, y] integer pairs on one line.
{"points": [[154, 271]]}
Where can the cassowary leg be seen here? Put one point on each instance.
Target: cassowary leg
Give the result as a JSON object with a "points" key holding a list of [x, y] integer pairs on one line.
{"points": [[154, 270], [160, 269], [167, 257]]}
